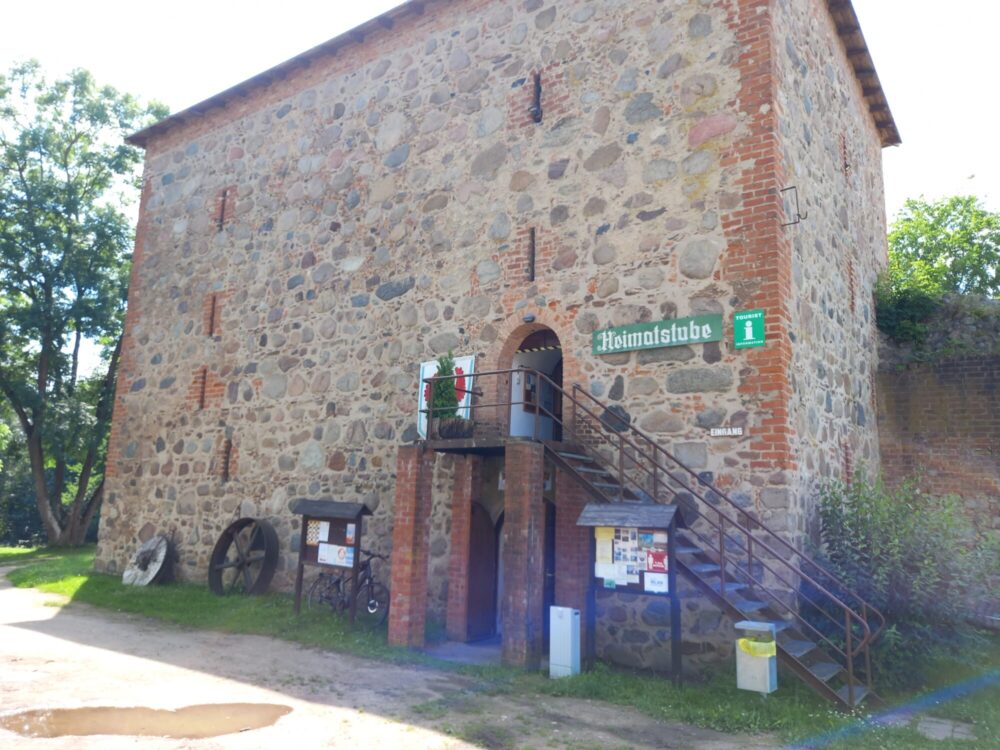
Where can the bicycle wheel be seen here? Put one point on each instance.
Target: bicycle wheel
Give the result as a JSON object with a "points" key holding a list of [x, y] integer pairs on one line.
{"points": [[324, 594], [373, 605]]}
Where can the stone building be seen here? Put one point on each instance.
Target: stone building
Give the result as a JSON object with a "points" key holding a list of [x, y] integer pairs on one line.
{"points": [[500, 179]]}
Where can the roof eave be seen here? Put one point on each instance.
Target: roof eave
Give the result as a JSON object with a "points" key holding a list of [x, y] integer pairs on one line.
{"points": [[849, 29], [241, 90], [844, 16]]}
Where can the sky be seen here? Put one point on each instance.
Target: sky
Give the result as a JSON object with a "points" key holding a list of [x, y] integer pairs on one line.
{"points": [[937, 62]]}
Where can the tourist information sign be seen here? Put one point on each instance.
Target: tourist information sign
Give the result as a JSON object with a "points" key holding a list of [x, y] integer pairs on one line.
{"points": [[749, 329]]}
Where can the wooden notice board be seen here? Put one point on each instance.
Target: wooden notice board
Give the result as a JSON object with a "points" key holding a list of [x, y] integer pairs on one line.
{"points": [[632, 551], [330, 539]]}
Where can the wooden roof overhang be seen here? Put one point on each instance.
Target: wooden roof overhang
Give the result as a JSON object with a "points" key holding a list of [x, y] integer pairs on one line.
{"points": [[849, 30]]}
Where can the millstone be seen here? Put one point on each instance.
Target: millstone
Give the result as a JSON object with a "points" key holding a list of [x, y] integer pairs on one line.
{"points": [[149, 563]]}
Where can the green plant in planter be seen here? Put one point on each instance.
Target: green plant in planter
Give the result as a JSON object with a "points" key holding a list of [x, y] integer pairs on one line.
{"points": [[444, 400]]}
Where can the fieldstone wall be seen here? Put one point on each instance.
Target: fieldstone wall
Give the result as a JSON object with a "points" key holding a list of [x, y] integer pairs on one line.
{"points": [[303, 248], [832, 156], [634, 631]]}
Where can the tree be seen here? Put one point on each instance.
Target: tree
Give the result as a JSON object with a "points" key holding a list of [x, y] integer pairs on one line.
{"points": [[65, 176], [935, 249], [19, 519], [952, 245]]}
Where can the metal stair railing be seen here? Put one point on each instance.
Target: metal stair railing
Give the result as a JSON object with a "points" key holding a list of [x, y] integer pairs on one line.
{"points": [[643, 468], [858, 618]]}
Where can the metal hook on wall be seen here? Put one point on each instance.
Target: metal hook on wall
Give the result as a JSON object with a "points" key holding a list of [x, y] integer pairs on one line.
{"points": [[799, 216]]}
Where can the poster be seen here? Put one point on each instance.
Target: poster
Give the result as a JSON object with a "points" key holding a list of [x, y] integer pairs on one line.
{"points": [[656, 561], [656, 583], [621, 573], [349, 536], [605, 571], [463, 366], [604, 548], [653, 551], [626, 555], [324, 531], [629, 556], [336, 554]]}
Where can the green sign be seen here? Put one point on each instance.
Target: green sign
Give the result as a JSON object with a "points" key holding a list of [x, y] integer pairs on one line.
{"points": [[697, 330], [748, 329]]}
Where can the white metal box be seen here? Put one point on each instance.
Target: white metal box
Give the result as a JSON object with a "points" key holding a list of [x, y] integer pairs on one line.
{"points": [[564, 642]]}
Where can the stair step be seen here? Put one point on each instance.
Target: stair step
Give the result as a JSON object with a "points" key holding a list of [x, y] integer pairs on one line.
{"points": [[576, 457], [592, 470], [705, 568], [731, 586], [860, 691], [796, 647], [686, 549], [779, 625], [607, 485], [824, 671], [748, 606]]}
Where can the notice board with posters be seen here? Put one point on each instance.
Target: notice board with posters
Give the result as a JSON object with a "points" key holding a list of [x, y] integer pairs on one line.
{"points": [[331, 539], [632, 552]]}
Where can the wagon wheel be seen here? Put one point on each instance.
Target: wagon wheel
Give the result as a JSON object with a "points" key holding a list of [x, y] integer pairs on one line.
{"points": [[244, 558]]}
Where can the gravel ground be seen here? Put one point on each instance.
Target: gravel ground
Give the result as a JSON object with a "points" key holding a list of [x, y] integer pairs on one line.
{"points": [[77, 656]]}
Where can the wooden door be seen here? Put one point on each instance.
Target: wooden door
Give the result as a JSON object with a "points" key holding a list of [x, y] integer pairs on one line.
{"points": [[549, 587], [482, 575]]}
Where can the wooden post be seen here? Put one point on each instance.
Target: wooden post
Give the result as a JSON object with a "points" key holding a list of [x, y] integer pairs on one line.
{"points": [[675, 606], [590, 655], [356, 570], [301, 567]]}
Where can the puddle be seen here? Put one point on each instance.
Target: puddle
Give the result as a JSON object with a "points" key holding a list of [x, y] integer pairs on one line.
{"points": [[189, 723]]}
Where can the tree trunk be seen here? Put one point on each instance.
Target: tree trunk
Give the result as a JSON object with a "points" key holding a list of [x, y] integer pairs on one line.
{"points": [[37, 457]]}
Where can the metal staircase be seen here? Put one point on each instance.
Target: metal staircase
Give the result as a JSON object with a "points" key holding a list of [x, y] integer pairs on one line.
{"points": [[734, 581], [825, 630]]}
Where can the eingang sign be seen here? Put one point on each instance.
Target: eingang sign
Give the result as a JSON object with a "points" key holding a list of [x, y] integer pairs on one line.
{"points": [[697, 330]]}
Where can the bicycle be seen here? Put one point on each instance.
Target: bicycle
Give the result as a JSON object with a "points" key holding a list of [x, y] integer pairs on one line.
{"points": [[328, 591]]}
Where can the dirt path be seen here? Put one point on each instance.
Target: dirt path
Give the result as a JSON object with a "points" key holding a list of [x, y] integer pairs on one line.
{"points": [[77, 656]]}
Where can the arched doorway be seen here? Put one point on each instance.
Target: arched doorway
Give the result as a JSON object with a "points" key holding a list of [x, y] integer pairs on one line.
{"points": [[483, 563], [536, 403]]}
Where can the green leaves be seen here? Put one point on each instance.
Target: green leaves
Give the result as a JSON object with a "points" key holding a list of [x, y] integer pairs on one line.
{"points": [[952, 245], [66, 173], [444, 399], [935, 249], [915, 557]]}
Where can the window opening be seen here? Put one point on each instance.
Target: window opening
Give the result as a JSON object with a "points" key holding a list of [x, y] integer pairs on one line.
{"points": [[536, 103], [531, 254]]}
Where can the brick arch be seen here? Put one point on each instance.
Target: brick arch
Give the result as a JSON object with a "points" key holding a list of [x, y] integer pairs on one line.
{"points": [[510, 335], [514, 330]]}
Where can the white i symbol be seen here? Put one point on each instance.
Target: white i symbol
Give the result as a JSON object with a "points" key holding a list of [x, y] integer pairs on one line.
{"points": [[748, 331]]}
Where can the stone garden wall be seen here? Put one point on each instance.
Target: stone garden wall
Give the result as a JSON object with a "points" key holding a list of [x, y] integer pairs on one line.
{"points": [[303, 248], [939, 408]]}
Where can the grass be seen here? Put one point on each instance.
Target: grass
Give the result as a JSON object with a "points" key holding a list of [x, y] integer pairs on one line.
{"points": [[12, 555], [794, 713], [68, 573]]}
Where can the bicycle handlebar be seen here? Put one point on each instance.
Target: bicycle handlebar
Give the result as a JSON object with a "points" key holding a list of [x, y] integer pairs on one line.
{"points": [[374, 555]]}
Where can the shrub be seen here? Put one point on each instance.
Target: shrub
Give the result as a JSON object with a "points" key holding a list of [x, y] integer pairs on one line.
{"points": [[444, 398], [916, 558], [903, 307]]}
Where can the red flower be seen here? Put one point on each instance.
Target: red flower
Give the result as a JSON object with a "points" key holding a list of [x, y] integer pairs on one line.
{"points": [[460, 384]]}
